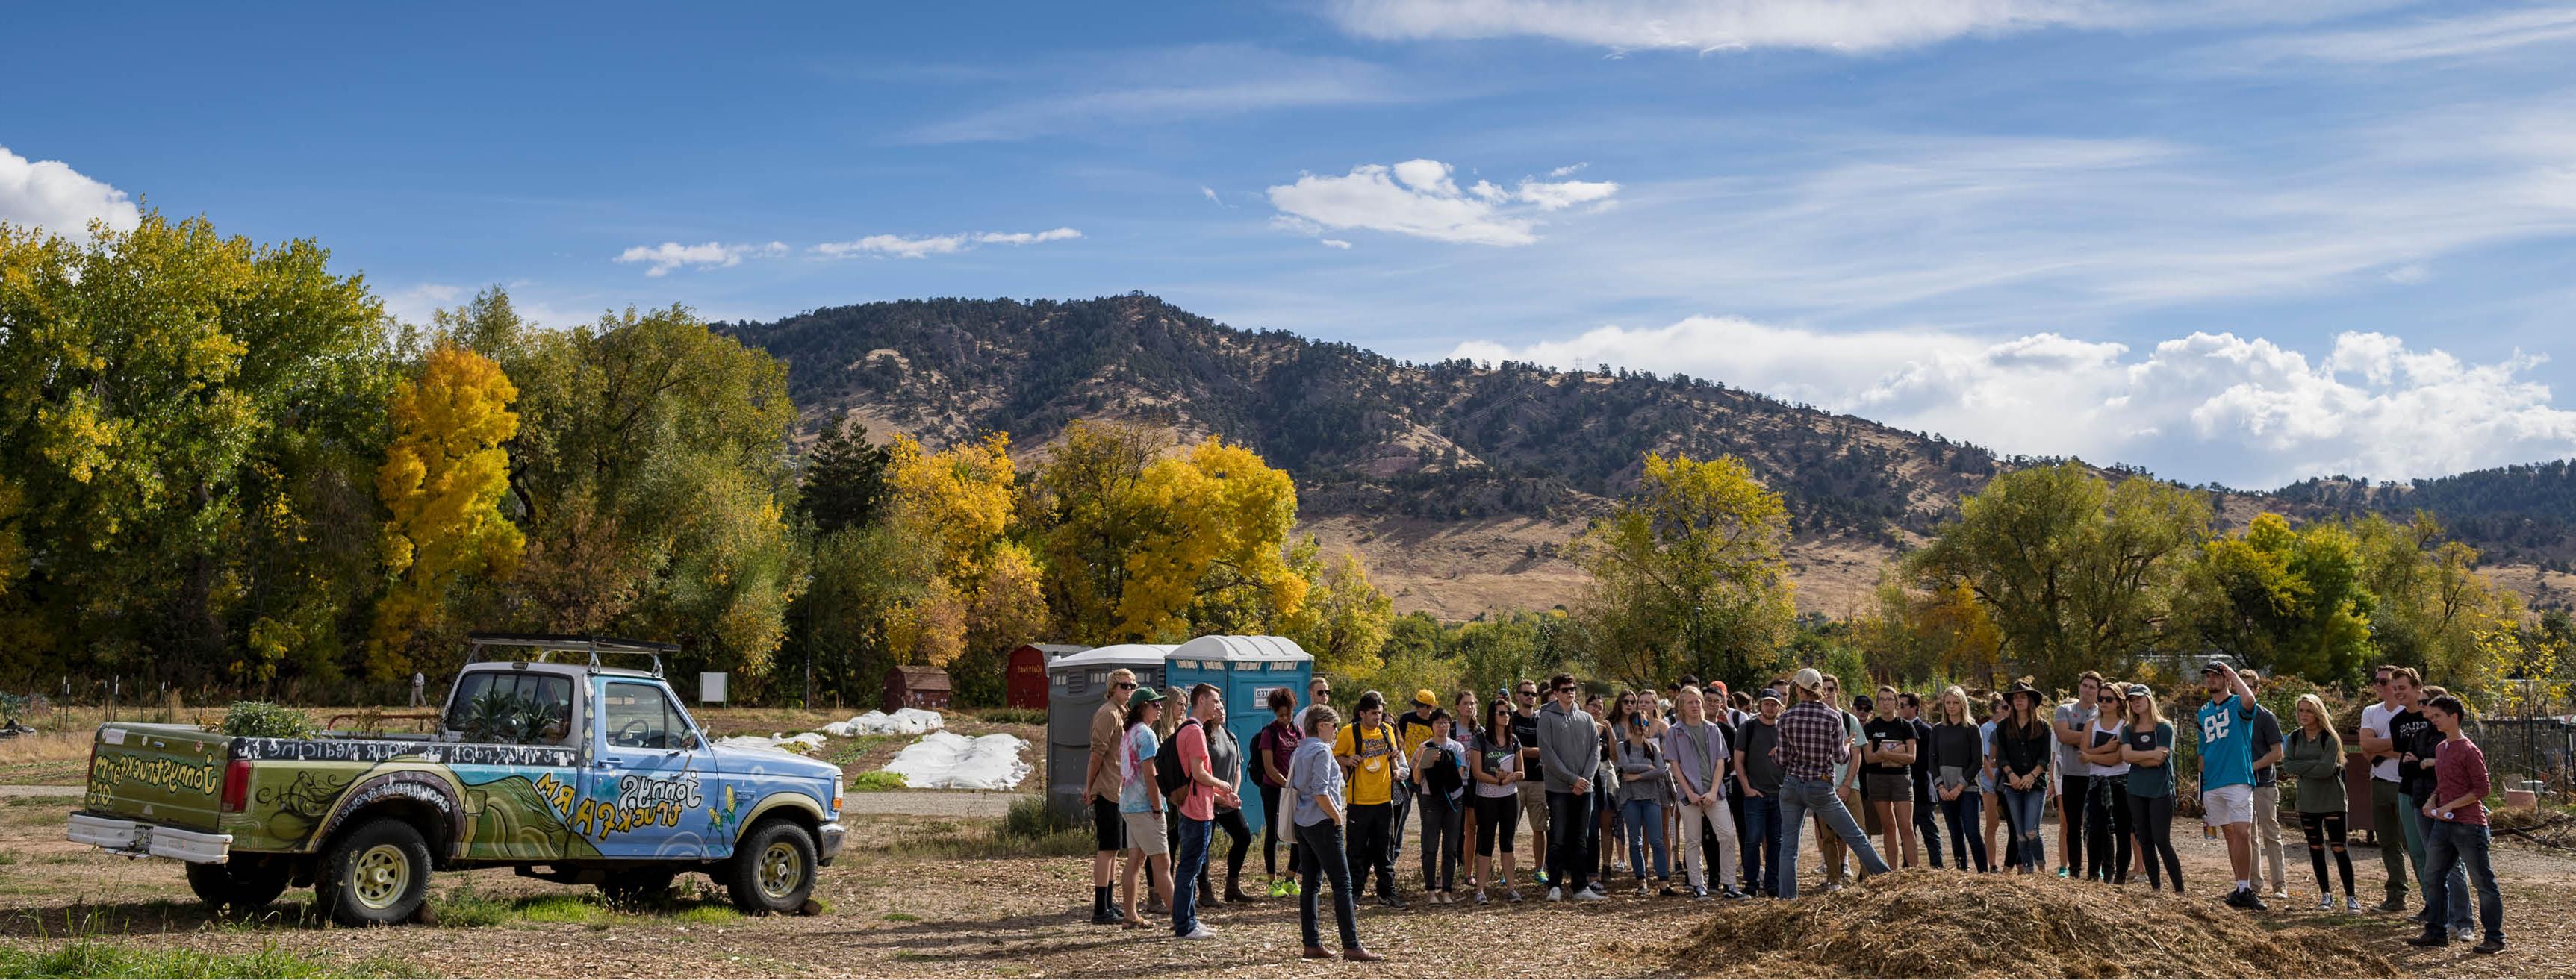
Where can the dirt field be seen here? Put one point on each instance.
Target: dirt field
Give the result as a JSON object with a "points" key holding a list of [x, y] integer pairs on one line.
{"points": [[917, 896]]}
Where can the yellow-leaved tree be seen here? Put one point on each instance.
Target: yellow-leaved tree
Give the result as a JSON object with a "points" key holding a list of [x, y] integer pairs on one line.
{"points": [[1345, 619], [958, 508], [442, 480], [1214, 560]]}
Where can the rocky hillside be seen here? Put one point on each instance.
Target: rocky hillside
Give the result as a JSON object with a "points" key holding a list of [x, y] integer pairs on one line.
{"points": [[1458, 480]]}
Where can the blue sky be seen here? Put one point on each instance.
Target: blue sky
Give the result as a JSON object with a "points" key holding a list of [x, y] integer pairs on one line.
{"points": [[2232, 242]]}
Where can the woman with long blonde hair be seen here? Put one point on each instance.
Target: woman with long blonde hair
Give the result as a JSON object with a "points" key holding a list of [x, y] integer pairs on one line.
{"points": [[2313, 754], [2146, 744], [2106, 805], [1957, 757]]}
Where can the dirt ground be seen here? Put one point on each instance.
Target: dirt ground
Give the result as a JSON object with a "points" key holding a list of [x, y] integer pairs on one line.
{"points": [[902, 902]]}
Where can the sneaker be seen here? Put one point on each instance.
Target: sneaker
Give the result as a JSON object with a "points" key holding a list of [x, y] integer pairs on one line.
{"points": [[2254, 903], [1482, 898], [2325, 902], [2391, 905], [2280, 894], [2488, 948], [2462, 935], [2352, 905], [2238, 898], [1699, 893], [1554, 895], [1513, 896], [1594, 890], [1643, 891], [1588, 895], [1737, 894], [2061, 872], [2430, 940], [1390, 901], [1541, 876], [1200, 933], [1668, 891]]}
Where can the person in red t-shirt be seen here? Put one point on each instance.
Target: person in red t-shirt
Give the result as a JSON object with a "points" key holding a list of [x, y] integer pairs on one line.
{"points": [[2455, 828], [1197, 803]]}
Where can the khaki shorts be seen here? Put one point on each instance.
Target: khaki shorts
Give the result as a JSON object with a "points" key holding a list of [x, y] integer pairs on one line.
{"points": [[1145, 833], [2227, 804]]}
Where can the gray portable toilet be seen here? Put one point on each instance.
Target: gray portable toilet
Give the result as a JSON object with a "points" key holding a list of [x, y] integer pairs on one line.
{"points": [[1076, 683], [1244, 670]]}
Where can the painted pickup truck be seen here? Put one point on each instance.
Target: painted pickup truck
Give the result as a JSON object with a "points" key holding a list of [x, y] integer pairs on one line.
{"points": [[569, 772]]}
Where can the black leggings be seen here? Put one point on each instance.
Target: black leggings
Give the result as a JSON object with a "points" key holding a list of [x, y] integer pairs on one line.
{"points": [[1496, 816], [2151, 817], [2106, 829], [2325, 830], [1270, 800], [1238, 831]]}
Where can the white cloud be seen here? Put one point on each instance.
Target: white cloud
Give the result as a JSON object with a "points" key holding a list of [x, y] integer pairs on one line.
{"points": [[1568, 170], [1843, 26], [1210, 194], [1420, 199], [1165, 86], [2484, 33], [663, 258], [2208, 406], [415, 304], [1333, 243], [929, 245], [49, 194], [1026, 237]]}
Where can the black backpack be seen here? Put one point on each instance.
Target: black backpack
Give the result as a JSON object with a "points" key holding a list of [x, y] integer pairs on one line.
{"points": [[1168, 776]]}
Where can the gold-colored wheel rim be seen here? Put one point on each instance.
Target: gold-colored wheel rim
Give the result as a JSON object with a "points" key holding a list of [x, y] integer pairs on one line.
{"points": [[782, 867], [380, 876]]}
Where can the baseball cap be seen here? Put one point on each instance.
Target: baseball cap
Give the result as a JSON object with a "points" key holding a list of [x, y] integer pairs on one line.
{"points": [[2141, 691], [1425, 697], [1807, 679], [1144, 695], [2216, 667], [1771, 694]]}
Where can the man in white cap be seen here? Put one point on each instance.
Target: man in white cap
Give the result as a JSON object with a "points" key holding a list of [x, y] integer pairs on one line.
{"points": [[1812, 741]]}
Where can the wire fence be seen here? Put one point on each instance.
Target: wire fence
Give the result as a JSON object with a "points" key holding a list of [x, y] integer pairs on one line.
{"points": [[2529, 737]]}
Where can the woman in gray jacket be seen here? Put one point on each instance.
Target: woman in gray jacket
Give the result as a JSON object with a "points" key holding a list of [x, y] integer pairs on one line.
{"points": [[1645, 788]]}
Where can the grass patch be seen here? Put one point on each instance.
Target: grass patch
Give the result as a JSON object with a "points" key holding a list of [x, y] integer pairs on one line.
{"points": [[94, 959], [878, 782], [1029, 830], [573, 909], [1012, 716], [847, 751], [65, 800], [707, 914], [465, 909], [8, 858], [46, 818]]}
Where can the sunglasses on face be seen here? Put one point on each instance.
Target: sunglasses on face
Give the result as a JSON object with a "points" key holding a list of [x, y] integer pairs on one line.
{"points": [[1126, 687], [2106, 699], [1526, 694]]}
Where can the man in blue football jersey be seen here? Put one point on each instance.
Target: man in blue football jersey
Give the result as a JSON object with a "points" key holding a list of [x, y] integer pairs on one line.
{"points": [[2227, 772]]}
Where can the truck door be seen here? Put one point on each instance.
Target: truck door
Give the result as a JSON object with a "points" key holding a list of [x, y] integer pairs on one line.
{"points": [[649, 795]]}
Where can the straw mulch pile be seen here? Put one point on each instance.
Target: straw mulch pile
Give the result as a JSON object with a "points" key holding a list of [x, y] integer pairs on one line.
{"points": [[1933, 924]]}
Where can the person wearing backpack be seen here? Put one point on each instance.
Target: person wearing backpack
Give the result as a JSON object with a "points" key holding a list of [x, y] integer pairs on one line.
{"points": [[1198, 793], [1368, 753], [1440, 781]]}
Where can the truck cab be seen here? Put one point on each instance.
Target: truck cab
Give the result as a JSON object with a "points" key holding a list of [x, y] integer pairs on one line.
{"points": [[561, 767]]}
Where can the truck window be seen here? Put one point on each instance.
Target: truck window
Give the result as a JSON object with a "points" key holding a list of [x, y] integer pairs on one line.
{"points": [[550, 692], [638, 716]]}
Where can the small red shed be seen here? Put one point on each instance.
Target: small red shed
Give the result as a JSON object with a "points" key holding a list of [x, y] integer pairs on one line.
{"points": [[1024, 682], [916, 687]]}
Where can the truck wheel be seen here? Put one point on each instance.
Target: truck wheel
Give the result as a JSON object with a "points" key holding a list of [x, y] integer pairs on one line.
{"points": [[637, 887], [240, 884], [376, 875], [772, 869]]}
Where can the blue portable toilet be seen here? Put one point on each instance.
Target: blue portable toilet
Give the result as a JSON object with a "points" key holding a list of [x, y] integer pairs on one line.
{"points": [[1244, 669], [1076, 685]]}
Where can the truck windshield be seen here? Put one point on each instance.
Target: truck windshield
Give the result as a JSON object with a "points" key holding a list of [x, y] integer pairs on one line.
{"points": [[482, 694]]}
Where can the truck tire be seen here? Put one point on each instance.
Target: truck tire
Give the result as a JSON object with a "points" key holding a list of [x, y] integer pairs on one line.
{"points": [[638, 886], [772, 869], [375, 875], [238, 885]]}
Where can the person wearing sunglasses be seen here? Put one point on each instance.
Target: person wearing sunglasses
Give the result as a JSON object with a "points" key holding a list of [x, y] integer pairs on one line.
{"points": [[1100, 785], [1533, 785], [1318, 691]]}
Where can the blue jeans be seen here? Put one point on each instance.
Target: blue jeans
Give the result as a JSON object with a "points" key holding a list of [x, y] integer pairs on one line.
{"points": [[1645, 822], [2022, 809], [1319, 855], [1799, 797], [1189, 857], [1761, 834], [2448, 847], [1967, 832], [2454, 898]]}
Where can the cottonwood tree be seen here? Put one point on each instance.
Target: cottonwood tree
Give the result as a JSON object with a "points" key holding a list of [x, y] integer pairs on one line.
{"points": [[442, 482], [1688, 575]]}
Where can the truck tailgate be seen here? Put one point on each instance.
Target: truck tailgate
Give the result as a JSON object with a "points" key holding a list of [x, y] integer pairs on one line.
{"points": [[170, 775]]}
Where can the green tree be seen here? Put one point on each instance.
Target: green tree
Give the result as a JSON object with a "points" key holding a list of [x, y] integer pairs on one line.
{"points": [[2435, 611], [844, 483], [1095, 516], [188, 422], [2283, 600], [2076, 574], [1687, 575], [1344, 621]]}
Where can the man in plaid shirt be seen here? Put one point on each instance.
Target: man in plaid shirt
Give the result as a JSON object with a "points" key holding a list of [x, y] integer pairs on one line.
{"points": [[1812, 741]]}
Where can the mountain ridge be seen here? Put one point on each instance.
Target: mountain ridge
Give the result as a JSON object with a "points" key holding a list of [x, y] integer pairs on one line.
{"points": [[1437, 472]]}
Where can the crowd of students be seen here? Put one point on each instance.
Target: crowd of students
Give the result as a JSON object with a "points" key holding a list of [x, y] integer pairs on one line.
{"points": [[1597, 790]]}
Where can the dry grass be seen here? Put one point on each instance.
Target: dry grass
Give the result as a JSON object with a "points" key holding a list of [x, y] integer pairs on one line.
{"points": [[1931, 924]]}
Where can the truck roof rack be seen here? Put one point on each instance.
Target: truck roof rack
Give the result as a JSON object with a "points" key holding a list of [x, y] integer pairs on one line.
{"points": [[548, 644]]}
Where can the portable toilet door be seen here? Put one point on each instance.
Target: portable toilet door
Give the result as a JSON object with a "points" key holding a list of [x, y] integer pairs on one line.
{"points": [[1024, 683], [1076, 685], [1245, 669]]}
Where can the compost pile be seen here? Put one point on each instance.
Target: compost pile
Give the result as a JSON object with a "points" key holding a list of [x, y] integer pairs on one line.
{"points": [[1941, 924]]}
